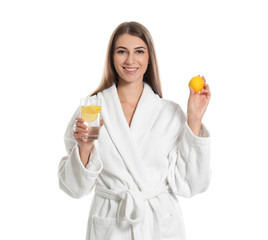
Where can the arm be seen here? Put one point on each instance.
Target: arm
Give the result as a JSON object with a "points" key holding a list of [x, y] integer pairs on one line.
{"points": [[189, 170], [189, 163], [197, 105], [79, 169], [81, 131]]}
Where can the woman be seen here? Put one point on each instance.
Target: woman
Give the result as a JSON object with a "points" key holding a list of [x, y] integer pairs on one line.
{"points": [[147, 152]]}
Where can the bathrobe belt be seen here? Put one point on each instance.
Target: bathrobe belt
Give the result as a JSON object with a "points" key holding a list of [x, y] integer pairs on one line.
{"points": [[131, 206]]}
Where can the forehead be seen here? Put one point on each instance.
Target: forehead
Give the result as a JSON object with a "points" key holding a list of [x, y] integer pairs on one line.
{"points": [[129, 41]]}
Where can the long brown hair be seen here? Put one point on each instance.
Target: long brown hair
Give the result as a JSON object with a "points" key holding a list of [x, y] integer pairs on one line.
{"points": [[110, 75]]}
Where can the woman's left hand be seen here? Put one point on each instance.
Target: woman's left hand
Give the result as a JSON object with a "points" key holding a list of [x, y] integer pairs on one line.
{"points": [[197, 104]]}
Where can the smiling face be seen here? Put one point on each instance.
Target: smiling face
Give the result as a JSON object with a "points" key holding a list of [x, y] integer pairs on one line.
{"points": [[131, 58]]}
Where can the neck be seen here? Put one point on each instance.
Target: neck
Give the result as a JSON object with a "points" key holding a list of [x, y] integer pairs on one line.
{"points": [[129, 92]]}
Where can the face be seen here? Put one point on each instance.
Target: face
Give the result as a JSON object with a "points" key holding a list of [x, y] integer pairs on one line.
{"points": [[131, 57]]}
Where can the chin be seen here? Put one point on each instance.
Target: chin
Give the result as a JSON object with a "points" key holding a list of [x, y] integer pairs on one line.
{"points": [[130, 81]]}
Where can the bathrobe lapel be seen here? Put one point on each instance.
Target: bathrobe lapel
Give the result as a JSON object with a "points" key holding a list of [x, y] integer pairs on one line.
{"points": [[122, 135], [146, 112]]}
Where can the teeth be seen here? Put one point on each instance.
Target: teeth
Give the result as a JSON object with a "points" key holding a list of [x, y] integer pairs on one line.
{"points": [[131, 69]]}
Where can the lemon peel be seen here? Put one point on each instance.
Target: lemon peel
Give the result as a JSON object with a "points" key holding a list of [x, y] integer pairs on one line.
{"points": [[196, 83]]}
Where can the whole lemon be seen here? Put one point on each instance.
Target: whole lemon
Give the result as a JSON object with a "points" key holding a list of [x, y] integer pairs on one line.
{"points": [[196, 83]]}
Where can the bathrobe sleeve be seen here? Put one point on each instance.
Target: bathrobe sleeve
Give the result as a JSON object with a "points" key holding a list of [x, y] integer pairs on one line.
{"points": [[74, 178], [189, 160]]}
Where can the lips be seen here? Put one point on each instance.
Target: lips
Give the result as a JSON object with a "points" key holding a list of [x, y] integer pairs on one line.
{"points": [[130, 70]]}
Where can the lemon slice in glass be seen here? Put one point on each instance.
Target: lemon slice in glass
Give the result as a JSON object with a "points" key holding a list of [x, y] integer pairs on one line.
{"points": [[96, 108], [89, 114]]}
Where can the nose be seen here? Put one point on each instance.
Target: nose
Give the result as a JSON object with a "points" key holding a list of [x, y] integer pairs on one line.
{"points": [[130, 59]]}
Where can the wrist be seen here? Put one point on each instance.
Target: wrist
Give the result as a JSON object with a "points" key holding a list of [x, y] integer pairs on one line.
{"points": [[195, 126], [194, 121], [86, 145], [194, 118], [85, 151]]}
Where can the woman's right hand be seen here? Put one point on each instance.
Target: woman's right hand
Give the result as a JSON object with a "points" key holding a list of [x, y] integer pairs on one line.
{"points": [[81, 132]]}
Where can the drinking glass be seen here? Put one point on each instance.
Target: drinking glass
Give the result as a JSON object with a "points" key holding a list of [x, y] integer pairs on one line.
{"points": [[90, 111]]}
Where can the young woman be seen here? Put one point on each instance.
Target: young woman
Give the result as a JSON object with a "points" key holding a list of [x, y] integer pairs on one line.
{"points": [[148, 150]]}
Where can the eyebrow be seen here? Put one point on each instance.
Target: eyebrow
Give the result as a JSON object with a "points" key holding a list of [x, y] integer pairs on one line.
{"points": [[135, 48]]}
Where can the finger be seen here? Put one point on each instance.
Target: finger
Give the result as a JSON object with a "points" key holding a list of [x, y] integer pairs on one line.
{"points": [[80, 130], [102, 122], [79, 119], [192, 92], [81, 125], [206, 85], [79, 135], [86, 140], [204, 79], [207, 88], [206, 93], [202, 91]]}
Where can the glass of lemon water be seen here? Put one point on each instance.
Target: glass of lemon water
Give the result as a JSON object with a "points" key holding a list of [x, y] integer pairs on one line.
{"points": [[90, 111]]}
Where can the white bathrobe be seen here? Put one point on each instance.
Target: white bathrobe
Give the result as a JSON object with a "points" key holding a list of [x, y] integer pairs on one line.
{"points": [[138, 170]]}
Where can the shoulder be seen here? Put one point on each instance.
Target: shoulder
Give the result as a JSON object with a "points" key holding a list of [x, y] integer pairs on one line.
{"points": [[170, 119], [170, 114], [170, 106]]}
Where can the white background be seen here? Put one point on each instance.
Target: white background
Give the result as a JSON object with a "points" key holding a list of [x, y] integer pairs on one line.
{"points": [[52, 53]]}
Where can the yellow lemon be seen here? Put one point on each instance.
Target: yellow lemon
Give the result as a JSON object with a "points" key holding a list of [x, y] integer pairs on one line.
{"points": [[196, 83], [88, 113], [96, 108]]}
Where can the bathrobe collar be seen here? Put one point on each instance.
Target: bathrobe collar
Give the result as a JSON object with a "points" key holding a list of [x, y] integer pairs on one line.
{"points": [[121, 134]]}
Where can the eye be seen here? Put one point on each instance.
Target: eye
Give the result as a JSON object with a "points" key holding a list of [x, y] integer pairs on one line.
{"points": [[120, 51], [140, 51]]}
